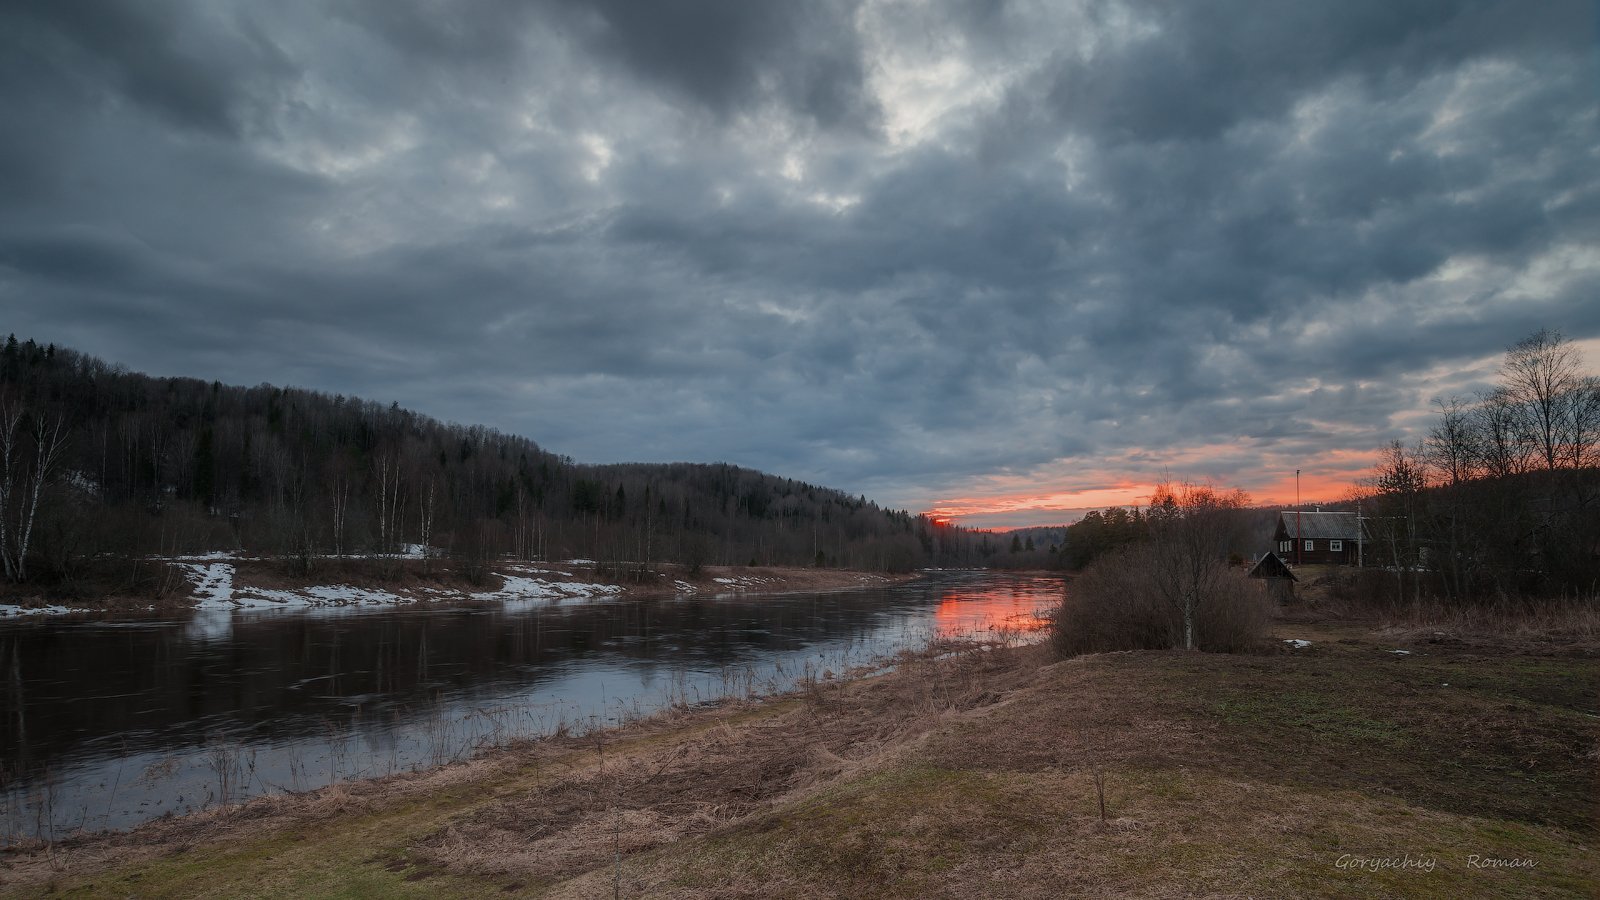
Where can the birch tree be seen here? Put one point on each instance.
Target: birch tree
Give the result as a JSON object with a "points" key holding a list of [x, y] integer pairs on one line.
{"points": [[339, 494], [388, 503], [23, 476], [425, 524]]}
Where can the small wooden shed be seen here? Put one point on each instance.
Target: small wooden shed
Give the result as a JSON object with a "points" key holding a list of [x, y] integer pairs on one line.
{"points": [[1277, 576]]}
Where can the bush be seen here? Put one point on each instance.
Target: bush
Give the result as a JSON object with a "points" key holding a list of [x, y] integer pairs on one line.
{"points": [[1115, 605]]}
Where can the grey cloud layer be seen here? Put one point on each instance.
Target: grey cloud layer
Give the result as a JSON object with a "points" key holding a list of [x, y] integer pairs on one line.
{"points": [[887, 246]]}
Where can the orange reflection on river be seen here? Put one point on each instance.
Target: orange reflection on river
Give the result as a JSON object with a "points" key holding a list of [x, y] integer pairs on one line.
{"points": [[1001, 612]]}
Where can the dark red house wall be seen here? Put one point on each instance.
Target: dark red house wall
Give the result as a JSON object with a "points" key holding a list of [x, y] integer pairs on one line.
{"points": [[1318, 555]]}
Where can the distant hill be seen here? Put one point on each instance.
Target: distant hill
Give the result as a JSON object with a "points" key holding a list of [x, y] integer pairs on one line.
{"points": [[167, 465]]}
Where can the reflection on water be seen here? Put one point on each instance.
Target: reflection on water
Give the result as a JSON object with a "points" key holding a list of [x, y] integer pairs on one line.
{"points": [[106, 724], [999, 608]]}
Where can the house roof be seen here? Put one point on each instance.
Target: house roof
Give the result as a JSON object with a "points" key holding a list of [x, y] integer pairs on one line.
{"points": [[1338, 526]]}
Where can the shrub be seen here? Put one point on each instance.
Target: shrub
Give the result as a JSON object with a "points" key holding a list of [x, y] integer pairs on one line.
{"points": [[1116, 605]]}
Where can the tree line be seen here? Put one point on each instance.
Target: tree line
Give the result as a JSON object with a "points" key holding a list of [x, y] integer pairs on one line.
{"points": [[1502, 497], [99, 462]]}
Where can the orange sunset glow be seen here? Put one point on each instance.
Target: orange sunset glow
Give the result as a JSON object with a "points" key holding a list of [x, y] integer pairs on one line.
{"points": [[963, 510], [1326, 479]]}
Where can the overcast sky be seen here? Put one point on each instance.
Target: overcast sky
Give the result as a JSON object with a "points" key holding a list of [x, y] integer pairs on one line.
{"points": [[1002, 259]]}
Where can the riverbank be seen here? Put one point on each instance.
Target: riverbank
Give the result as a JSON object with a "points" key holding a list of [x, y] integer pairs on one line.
{"points": [[1385, 763], [222, 581]]}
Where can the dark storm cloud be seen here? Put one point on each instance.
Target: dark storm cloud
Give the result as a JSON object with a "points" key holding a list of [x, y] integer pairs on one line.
{"points": [[153, 54], [727, 53], [727, 56], [895, 247]]}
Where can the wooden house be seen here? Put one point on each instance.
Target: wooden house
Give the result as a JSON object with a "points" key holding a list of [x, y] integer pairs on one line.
{"points": [[1319, 538]]}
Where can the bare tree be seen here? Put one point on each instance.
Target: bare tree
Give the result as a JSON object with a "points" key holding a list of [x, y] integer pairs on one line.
{"points": [[1543, 375], [1400, 480], [1584, 423], [388, 503], [299, 532], [523, 527], [22, 480], [1192, 530], [1504, 448], [339, 493], [1452, 451], [425, 517], [1452, 444]]}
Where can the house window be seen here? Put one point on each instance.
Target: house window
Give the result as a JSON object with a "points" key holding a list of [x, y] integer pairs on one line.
{"points": [[1336, 545], [1311, 545], [1285, 546]]}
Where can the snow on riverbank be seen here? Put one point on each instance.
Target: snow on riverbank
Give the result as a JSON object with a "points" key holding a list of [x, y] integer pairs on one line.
{"points": [[213, 583], [522, 587], [224, 582], [215, 588], [7, 609], [746, 582]]}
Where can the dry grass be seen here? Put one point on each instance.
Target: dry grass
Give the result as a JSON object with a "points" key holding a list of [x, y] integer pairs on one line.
{"points": [[1576, 620], [978, 774], [636, 801], [105, 584], [1370, 595]]}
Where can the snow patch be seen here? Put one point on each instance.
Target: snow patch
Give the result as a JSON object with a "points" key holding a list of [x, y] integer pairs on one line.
{"points": [[318, 595], [521, 587], [1297, 644], [1401, 652], [745, 581], [7, 609], [213, 583], [216, 593]]}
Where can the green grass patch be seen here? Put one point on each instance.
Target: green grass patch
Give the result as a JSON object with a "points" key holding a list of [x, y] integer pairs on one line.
{"points": [[1323, 716]]}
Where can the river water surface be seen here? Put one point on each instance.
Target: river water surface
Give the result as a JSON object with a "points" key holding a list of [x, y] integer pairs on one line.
{"points": [[108, 723]]}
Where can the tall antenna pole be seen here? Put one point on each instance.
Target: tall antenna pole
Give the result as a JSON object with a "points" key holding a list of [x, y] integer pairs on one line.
{"points": [[1361, 532], [1299, 534]]}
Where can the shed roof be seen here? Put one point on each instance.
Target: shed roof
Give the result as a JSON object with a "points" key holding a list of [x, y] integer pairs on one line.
{"points": [[1338, 526], [1271, 565]]}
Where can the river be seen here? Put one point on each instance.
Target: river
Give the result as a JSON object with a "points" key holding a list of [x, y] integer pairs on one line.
{"points": [[106, 723]]}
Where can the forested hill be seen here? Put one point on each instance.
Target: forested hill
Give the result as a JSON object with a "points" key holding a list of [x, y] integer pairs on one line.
{"points": [[168, 465]]}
